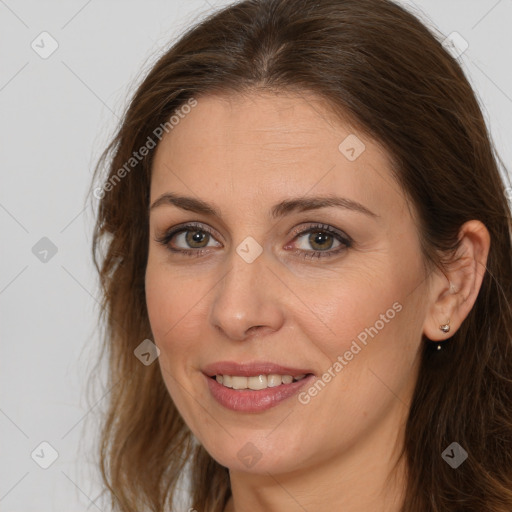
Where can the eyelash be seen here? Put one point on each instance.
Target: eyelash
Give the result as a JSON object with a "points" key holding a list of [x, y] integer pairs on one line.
{"points": [[345, 240]]}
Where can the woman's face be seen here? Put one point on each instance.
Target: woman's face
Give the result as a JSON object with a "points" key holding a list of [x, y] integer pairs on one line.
{"points": [[270, 281]]}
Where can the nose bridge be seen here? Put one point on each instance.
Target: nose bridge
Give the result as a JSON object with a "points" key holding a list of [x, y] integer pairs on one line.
{"points": [[245, 297], [245, 267]]}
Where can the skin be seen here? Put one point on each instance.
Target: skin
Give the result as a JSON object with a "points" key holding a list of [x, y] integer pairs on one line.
{"points": [[243, 154]]}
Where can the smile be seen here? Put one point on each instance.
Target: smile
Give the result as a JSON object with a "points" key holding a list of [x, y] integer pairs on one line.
{"points": [[248, 400], [256, 382]]}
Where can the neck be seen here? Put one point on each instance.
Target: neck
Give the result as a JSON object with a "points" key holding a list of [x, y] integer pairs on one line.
{"points": [[367, 476]]}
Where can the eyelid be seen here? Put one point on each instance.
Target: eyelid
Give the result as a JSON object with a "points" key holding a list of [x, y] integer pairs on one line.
{"points": [[301, 230], [344, 239], [170, 233]]}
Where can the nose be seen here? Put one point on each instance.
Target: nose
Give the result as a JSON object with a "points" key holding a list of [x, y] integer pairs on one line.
{"points": [[246, 301]]}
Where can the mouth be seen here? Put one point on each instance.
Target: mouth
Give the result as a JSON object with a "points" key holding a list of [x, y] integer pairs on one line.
{"points": [[254, 387], [257, 382]]}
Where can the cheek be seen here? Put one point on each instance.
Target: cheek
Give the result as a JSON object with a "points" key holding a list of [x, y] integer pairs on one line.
{"points": [[365, 325], [169, 299], [159, 302], [177, 308], [350, 307], [169, 306], [371, 350]]}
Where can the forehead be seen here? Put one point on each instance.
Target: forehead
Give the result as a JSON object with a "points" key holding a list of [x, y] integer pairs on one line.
{"points": [[279, 125], [267, 145]]}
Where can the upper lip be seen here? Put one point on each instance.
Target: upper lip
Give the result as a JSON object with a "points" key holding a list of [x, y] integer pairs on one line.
{"points": [[250, 369]]}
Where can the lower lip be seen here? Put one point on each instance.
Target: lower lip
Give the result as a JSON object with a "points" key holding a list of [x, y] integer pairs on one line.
{"points": [[247, 400]]}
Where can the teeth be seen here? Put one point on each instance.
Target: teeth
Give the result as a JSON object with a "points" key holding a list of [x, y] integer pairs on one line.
{"points": [[256, 382], [274, 380], [239, 382], [259, 382]]}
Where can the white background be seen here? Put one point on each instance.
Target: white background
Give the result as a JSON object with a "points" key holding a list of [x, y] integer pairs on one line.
{"points": [[56, 115]]}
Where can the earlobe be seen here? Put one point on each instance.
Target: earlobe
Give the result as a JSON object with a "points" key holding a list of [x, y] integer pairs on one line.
{"points": [[454, 291]]}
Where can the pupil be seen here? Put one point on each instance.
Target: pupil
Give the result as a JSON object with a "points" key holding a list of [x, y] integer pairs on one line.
{"points": [[195, 237], [319, 238]]}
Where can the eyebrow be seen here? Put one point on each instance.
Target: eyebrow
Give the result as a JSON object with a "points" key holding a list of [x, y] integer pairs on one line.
{"points": [[281, 209]]}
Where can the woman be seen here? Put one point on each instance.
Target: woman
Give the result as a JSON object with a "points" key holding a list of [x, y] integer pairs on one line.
{"points": [[305, 258]]}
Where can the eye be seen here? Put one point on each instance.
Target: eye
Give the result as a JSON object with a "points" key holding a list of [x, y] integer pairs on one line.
{"points": [[321, 238], [191, 236], [195, 237]]}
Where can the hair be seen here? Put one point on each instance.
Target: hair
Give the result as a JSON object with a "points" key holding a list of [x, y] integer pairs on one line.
{"points": [[378, 65]]}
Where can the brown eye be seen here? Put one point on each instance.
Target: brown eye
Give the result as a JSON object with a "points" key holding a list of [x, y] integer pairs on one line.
{"points": [[321, 241], [195, 239], [189, 238]]}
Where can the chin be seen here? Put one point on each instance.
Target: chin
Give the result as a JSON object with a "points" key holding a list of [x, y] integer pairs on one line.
{"points": [[256, 456]]}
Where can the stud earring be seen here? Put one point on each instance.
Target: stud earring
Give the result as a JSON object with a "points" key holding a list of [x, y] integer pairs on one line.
{"points": [[445, 328]]}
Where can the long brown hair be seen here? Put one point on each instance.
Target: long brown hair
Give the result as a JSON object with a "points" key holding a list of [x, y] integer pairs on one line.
{"points": [[375, 63]]}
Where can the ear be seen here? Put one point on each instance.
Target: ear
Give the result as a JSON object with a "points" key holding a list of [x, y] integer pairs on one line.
{"points": [[452, 293]]}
